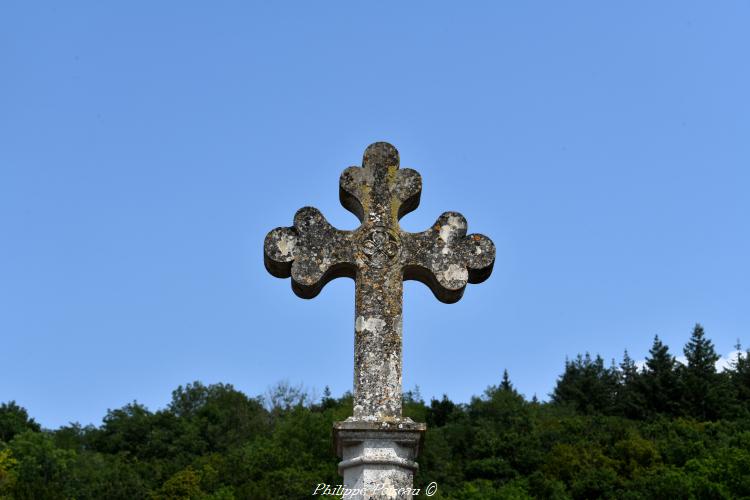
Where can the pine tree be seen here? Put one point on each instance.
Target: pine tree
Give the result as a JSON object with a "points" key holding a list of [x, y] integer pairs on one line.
{"points": [[587, 385], [505, 385], [700, 353], [630, 401], [628, 368], [705, 392], [327, 401], [440, 411], [739, 374], [660, 384]]}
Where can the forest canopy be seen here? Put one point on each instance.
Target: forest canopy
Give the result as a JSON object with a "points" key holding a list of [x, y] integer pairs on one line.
{"points": [[664, 429]]}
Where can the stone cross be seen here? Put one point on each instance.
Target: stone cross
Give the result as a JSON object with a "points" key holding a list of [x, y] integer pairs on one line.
{"points": [[379, 256]]}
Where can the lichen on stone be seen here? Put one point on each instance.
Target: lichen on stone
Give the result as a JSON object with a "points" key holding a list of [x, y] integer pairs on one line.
{"points": [[379, 256]]}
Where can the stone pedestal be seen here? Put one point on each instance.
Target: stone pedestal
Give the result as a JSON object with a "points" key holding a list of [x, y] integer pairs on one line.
{"points": [[378, 456]]}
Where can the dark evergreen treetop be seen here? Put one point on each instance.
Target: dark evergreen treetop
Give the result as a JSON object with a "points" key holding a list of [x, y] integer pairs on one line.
{"points": [[660, 381], [505, 385], [700, 353], [587, 385], [705, 392]]}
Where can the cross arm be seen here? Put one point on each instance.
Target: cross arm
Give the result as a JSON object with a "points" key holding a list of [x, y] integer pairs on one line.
{"points": [[312, 252], [445, 258]]}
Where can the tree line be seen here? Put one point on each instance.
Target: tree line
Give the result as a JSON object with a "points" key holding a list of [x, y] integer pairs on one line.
{"points": [[666, 429], [664, 386]]}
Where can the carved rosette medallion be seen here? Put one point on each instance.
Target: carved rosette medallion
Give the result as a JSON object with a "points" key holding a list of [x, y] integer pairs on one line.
{"points": [[380, 246]]}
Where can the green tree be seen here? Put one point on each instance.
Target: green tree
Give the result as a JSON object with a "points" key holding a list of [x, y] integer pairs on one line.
{"points": [[8, 474], [498, 436], [660, 381], [584, 467], [704, 390], [92, 476], [221, 415], [739, 374], [15, 420], [440, 411], [183, 485], [326, 401], [42, 469], [506, 385], [587, 385], [629, 400], [126, 430]]}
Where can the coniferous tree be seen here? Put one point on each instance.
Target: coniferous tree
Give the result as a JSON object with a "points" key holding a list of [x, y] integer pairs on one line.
{"points": [[739, 375], [587, 385], [628, 368], [705, 391], [506, 385], [326, 401], [630, 402], [440, 411], [700, 353], [660, 382]]}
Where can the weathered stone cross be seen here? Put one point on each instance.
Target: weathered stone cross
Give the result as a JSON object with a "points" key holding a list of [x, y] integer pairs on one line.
{"points": [[379, 256]]}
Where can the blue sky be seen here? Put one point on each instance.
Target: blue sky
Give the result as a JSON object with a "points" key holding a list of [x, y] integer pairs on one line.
{"points": [[146, 149]]}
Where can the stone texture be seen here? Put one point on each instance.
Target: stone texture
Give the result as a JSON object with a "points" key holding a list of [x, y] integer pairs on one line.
{"points": [[378, 458], [379, 256]]}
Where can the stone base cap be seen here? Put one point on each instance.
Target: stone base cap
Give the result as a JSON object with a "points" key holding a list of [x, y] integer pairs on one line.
{"points": [[403, 431]]}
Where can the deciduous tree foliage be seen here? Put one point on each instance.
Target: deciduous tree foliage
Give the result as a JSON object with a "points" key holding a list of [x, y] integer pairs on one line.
{"points": [[14, 420], [664, 431]]}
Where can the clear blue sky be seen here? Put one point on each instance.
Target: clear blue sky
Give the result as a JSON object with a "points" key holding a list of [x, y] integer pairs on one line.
{"points": [[147, 147]]}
